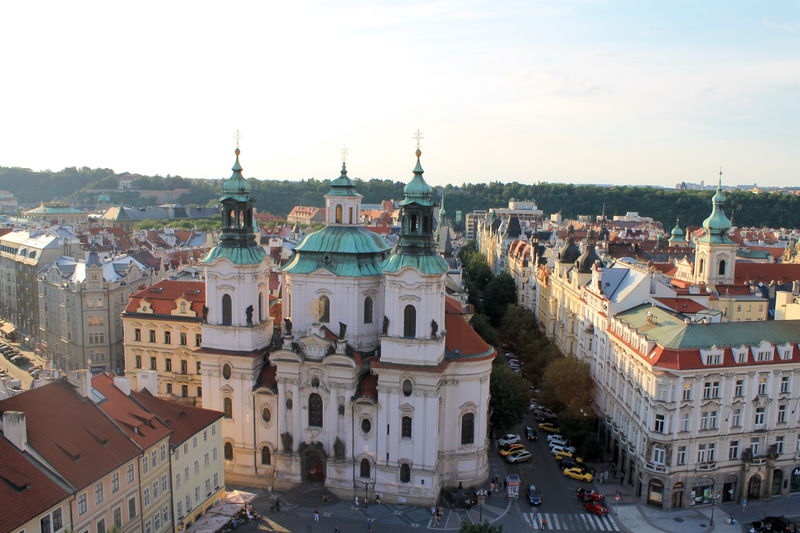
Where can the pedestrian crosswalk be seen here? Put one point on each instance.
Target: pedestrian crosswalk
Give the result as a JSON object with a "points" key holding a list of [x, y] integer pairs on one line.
{"points": [[570, 521]]}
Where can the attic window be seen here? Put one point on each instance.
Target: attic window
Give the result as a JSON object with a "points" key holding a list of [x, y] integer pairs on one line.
{"points": [[157, 289], [17, 481]]}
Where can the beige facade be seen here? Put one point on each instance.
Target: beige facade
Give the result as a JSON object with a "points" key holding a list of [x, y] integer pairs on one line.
{"points": [[741, 308], [787, 305], [198, 474], [111, 500], [156, 496]]}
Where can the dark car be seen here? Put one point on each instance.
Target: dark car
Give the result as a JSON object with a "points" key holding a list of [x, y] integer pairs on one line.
{"points": [[530, 433], [569, 462], [780, 524], [534, 495]]}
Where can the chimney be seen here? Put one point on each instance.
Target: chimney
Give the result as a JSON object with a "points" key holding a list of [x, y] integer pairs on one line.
{"points": [[15, 429], [148, 379], [81, 380], [123, 384]]}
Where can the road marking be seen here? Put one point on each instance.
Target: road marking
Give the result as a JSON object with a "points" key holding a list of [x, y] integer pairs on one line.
{"points": [[570, 521]]}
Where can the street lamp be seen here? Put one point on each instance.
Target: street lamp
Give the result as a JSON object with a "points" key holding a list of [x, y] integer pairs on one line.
{"points": [[714, 500], [366, 492], [481, 499]]}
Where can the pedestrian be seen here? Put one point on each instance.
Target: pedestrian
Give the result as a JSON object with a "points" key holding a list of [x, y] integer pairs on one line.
{"points": [[369, 524], [544, 523], [489, 493], [336, 530], [356, 500], [277, 505], [316, 515]]}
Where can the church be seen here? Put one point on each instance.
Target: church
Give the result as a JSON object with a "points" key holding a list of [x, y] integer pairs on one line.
{"points": [[373, 381]]}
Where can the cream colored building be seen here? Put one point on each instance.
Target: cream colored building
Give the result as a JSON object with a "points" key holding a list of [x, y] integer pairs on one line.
{"points": [[787, 305]]}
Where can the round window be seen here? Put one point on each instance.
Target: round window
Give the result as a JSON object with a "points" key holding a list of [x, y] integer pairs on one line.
{"points": [[266, 414], [226, 371], [407, 387], [366, 425]]}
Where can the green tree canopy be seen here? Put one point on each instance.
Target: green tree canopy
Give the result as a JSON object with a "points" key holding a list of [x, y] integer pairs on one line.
{"points": [[483, 527], [510, 395]]}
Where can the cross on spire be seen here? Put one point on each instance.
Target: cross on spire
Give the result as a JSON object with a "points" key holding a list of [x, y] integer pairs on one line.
{"points": [[238, 138], [343, 150], [418, 136], [720, 177]]}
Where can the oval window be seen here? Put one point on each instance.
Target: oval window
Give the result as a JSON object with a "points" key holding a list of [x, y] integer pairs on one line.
{"points": [[366, 425], [266, 414], [408, 388], [226, 371]]}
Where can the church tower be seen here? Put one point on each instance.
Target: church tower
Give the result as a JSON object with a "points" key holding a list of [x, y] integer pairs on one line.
{"points": [[413, 332], [237, 327], [677, 236], [715, 252]]}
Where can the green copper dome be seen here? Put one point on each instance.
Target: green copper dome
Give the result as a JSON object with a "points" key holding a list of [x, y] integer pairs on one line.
{"points": [[236, 186], [677, 234], [717, 224], [417, 190], [343, 185], [342, 250]]}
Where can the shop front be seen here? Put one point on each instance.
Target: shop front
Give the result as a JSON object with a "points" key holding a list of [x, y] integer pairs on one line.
{"points": [[794, 484], [702, 491], [655, 493], [729, 489]]}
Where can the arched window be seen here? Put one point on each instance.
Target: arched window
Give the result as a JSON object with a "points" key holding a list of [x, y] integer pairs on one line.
{"points": [[338, 219], [405, 473], [350, 215], [413, 223], [722, 268], [702, 265], [227, 404], [410, 321], [365, 468], [324, 309], [367, 310], [468, 428], [228, 451], [260, 306], [226, 310], [266, 456], [405, 427], [315, 410]]}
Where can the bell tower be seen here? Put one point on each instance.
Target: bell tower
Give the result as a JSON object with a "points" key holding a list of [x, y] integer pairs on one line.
{"points": [[715, 252]]}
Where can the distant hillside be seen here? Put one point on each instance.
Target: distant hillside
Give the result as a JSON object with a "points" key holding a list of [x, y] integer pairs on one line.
{"points": [[278, 196]]}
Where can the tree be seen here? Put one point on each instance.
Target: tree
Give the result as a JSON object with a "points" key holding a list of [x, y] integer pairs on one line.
{"points": [[480, 323], [510, 396], [483, 527], [569, 381], [499, 293]]}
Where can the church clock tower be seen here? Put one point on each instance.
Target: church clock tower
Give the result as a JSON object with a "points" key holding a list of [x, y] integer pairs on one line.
{"points": [[715, 252]]}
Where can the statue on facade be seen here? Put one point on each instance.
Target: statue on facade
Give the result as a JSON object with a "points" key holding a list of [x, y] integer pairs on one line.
{"points": [[287, 324], [249, 313], [342, 330], [338, 449], [434, 329], [385, 330], [287, 442], [205, 314]]}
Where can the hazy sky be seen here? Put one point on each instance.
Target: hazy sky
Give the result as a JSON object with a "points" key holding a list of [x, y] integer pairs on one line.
{"points": [[578, 91]]}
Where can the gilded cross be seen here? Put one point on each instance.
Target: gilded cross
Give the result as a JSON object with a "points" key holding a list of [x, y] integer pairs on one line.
{"points": [[343, 151], [418, 136], [238, 138]]}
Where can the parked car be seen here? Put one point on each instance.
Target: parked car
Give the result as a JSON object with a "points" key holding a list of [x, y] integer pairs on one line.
{"points": [[511, 448], [507, 439], [518, 457], [780, 524], [557, 440], [554, 448], [549, 427], [19, 360], [534, 495], [595, 507], [542, 417], [579, 474], [530, 433], [589, 495], [573, 462]]}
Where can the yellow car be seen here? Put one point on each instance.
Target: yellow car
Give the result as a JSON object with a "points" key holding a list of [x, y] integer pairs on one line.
{"points": [[579, 474], [511, 449], [548, 427], [560, 455]]}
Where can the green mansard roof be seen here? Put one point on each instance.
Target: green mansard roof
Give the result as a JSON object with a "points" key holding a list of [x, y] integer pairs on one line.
{"points": [[343, 250]]}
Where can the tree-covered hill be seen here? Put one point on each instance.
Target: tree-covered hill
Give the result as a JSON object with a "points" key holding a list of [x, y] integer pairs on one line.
{"points": [[278, 196]]}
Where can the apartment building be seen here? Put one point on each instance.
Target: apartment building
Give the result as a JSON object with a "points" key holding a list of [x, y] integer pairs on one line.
{"points": [[162, 330]]}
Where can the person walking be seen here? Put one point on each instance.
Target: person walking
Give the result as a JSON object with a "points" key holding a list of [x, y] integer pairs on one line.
{"points": [[316, 515], [544, 523], [356, 501], [369, 524]]}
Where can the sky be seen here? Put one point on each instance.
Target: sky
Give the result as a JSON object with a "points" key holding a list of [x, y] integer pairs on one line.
{"points": [[580, 91]]}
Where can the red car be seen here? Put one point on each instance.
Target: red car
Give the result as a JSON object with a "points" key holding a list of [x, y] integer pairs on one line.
{"points": [[590, 496], [595, 507]]}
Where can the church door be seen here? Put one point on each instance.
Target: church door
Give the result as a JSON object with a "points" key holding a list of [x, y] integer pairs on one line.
{"points": [[315, 467]]}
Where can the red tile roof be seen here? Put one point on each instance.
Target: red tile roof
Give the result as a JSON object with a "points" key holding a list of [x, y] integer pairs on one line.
{"points": [[25, 489], [163, 295], [368, 387], [766, 272], [461, 339], [184, 420], [267, 377], [71, 433], [682, 305], [143, 427]]}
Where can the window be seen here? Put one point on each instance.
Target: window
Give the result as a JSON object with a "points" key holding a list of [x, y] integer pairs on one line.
{"points": [[266, 456], [183, 338], [115, 483], [157, 521], [468, 428], [129, 473], [685, 422], [338, 214], [405, 473], [226, 310], [167, 337], [82, 504], [227, 404], [153, 459], [706, 452], [152, 335], [208, 487], [118, 517], [410, 322], [44, 524], [708, 420], [680, 457], [178, 480], [733, 450], [199, 392], [185, 367], [713, 358], [784, 384], [759, 419], [153, 363], [228, 449], [779, 440], [216, 476], [710, 390], [198, 339], [168, 364], [687, 392], [164, 483], [741, 357], [266, 414], [184, 391], [260, 306], [180, 509], [738, 390], [101, 526], [764, 355], [658, 426], [367, 310], [169, 388], [366, 425], [659, 455], [722, 268], [755, 442], [324, 309], [132, 508], [315, 410], [408, 388], [138, 363], [781, 414], [137, 334], [762, 385], [148, 527], [405, 427], [365, 468], [146, 497], [737, 418]]}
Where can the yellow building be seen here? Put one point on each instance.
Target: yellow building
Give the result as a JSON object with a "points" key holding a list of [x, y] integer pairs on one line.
{"points": [[162, 331], [741, 307]]}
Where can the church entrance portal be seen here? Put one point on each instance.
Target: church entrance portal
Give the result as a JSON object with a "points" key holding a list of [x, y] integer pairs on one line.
{"points": [[314, 466]]}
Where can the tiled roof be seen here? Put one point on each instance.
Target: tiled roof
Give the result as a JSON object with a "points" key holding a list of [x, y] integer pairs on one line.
{"points": [[682, 305], [25, 489], [766, 272], [142, 427], [462, 341], [184, 420], [163, 295], [267, 378], [368, 387], [71, 433]]}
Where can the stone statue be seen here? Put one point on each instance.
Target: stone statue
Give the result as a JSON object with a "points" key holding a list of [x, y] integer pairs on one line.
{"points": [[385, 325], [205, 314], [249, 313], [287, 442], [287, 324], [434, 329], [342, 330], [338, 449]]}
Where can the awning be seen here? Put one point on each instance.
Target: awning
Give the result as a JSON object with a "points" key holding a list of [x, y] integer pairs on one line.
{"points": [[8, 329]]}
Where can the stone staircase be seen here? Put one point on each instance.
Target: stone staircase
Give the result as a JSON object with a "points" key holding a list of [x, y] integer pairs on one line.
{"points": [[309, 495]]}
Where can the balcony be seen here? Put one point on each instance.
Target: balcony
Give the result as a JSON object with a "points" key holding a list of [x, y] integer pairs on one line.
{"points": [[707, 466], [758, 461], [656, 468]]}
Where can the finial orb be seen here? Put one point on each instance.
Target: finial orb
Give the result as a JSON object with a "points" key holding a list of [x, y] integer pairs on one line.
{"points": [[419, 152], [237, 151]]}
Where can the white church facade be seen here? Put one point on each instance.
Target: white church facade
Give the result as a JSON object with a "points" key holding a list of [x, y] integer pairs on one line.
{"points": [[373, 379]]}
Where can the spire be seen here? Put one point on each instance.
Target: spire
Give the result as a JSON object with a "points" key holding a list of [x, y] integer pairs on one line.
{"points": [[343, 185], [442, 211], [417, 190], [236, 184], [717, 224]]}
